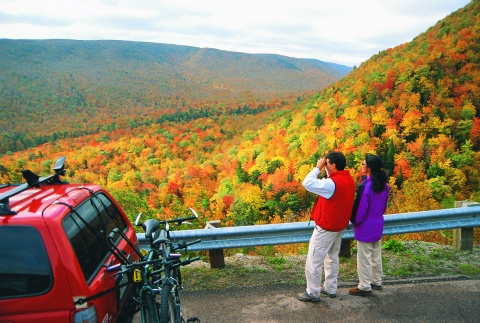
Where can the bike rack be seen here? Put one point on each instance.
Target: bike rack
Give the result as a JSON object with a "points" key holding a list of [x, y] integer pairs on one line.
{"points": [[33, 180]]}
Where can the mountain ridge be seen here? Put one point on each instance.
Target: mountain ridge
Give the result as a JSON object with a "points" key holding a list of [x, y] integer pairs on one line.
{"points": [[86, 82]]}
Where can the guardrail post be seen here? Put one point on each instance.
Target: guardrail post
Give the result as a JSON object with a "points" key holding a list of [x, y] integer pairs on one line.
{"points": [[463, 237], [217, 258]]}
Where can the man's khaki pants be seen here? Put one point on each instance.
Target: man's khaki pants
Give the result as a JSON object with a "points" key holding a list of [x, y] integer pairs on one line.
{"points": [[323, 252], [369, 264]]}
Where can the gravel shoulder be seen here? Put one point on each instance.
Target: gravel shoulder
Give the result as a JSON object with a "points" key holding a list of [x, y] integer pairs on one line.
{"points": [[447, 300], [415, 260], [423, 282]]}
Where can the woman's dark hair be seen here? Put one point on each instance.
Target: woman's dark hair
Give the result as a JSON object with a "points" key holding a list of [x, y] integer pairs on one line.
{"points": [[377, 173]]}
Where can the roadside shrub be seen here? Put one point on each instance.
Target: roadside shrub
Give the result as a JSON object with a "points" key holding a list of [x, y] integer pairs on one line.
{"points": [[393, 245]]}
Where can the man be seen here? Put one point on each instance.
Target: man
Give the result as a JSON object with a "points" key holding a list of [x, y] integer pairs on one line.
{"points": [[331, 213]]}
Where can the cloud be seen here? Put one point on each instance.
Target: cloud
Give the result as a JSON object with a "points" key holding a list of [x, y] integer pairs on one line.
{"points": [[32, 19], [341, 31]]}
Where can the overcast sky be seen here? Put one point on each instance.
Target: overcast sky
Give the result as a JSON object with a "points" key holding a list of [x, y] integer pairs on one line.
{"points": [[339, 31]]}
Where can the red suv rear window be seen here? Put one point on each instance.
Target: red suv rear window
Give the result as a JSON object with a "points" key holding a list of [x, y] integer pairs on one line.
{"points": [[24, 266], [87, 228]]}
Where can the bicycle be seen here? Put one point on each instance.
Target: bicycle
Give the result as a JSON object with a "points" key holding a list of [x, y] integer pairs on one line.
{"points": [[158, 272], [171, 310], [141, 274]]}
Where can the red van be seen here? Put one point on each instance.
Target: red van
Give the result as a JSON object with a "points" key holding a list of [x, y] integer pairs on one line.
{"points": [[53, 250]]}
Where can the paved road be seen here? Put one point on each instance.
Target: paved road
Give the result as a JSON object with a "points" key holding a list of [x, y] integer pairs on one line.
{"points": [[422, 300]]}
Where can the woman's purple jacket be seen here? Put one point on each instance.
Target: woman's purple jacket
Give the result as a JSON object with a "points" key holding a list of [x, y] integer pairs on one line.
{"points": [[368, 226]]}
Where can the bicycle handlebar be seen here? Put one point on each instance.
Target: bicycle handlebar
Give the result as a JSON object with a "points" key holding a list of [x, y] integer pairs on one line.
{"points": [[174, 263], [186, 262], [127, 267], [189, 261], [184, 245], [177, 220]]}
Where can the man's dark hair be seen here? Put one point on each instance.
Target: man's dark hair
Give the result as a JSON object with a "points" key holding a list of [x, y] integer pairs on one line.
{"points": [[337, 158]]}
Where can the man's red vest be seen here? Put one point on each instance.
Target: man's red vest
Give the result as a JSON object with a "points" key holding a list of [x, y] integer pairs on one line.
{"points": [[333, 214]]}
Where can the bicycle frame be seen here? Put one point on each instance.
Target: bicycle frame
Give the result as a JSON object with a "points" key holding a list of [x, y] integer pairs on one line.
{"points": [[147, 299], [158, 272], [170, 282], [143, 276]]}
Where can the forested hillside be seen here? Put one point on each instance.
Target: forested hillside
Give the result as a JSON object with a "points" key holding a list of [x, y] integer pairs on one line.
{"points": [[58, 89], [417, 105]]}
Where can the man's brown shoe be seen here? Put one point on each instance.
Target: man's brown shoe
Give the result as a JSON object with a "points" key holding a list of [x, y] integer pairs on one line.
{"points": [[358, 292]]}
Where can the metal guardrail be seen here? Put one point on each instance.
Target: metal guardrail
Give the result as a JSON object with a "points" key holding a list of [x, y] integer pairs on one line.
{"points": [[299, 232]]}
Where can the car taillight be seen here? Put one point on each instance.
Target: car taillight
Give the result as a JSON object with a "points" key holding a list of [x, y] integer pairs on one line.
{"points": [[85, 315]]}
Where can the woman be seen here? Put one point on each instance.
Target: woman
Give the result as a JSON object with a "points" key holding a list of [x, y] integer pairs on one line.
{"points": [[369, 207]]}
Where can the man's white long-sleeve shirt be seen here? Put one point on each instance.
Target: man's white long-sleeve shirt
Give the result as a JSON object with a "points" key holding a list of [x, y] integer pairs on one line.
{"points": [[324, 187]]}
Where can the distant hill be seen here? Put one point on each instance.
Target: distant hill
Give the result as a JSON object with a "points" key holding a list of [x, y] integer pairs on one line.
{"points": [[87, 84]]}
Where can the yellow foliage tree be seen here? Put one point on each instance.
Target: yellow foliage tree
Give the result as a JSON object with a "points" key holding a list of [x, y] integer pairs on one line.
{"points": [[415, 195]]}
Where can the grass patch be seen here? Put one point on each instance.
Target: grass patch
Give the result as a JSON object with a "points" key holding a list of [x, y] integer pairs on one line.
{"points": [[278, 263], [393, 245], [274, 261], [469, 269], [401, 259]]}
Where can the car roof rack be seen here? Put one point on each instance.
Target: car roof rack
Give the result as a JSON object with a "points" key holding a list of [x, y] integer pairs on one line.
{"points": [[33, 180]]}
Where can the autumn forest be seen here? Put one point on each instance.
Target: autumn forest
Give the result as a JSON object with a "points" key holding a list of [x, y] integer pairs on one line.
{"points": [[239, 155]]}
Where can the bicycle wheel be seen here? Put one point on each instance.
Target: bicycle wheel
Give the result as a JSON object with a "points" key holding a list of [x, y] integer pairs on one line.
{"points": [[177, 276], [178, 306], [167, 306], [150, 312]]}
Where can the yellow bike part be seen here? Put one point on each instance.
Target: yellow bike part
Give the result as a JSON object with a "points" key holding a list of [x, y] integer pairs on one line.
{"points": [[137, 276]]}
